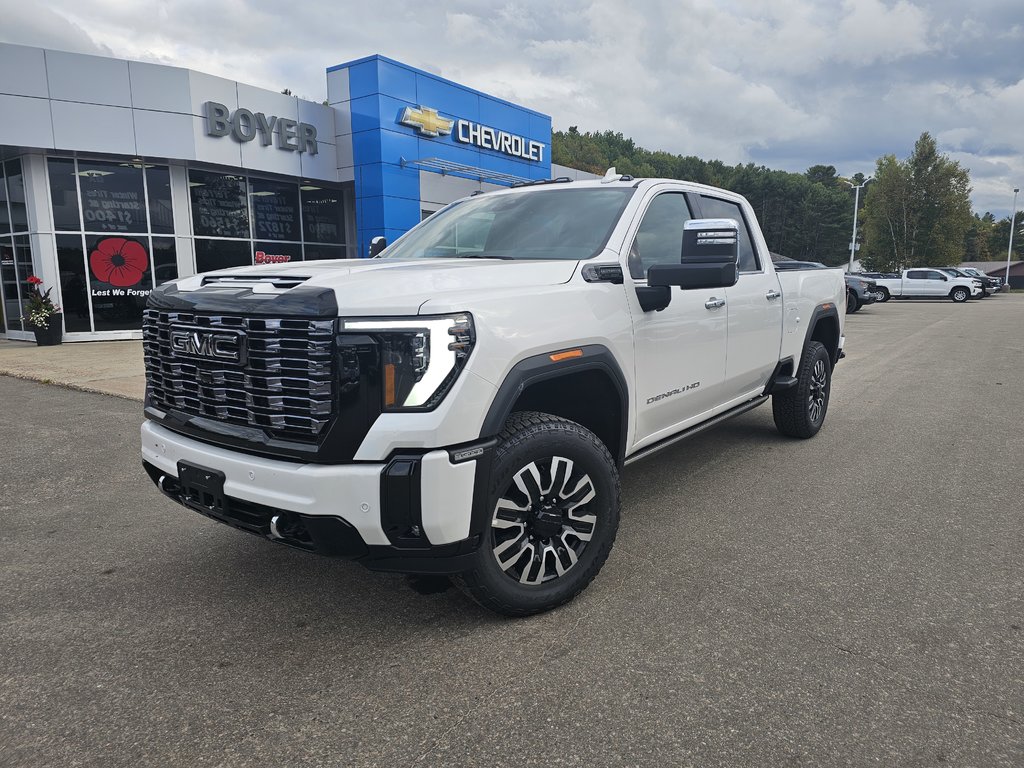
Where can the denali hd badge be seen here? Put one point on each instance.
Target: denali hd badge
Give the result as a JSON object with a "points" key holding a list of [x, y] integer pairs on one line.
{"points": [[209, 344]]}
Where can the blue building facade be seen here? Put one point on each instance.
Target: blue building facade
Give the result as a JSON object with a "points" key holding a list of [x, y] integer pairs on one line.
{"points": [[412, 141]]}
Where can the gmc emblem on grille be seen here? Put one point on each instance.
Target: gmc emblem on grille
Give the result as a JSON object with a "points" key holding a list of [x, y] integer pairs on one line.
{"points": [[209, 344]]}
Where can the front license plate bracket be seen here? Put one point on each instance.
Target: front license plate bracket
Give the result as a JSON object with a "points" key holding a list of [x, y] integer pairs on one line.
{"points": [[202, 488]]}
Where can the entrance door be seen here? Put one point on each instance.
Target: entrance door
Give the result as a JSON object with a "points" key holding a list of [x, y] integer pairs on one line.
{"points": [[679, 351], [9, 304]]}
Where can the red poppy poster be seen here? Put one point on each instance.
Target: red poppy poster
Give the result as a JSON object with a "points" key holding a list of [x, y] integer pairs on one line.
{"points": [[120, 262], [120, 280]]}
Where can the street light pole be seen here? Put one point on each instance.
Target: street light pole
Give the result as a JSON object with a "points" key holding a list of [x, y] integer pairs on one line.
{"points": [[856, 208], [1013, 222]]}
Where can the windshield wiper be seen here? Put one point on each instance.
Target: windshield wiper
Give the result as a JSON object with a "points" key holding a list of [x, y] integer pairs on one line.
{"points": [[482, 256]]}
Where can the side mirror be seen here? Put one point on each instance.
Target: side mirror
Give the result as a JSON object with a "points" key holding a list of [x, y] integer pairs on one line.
{"points": [[377, 245], [708, 260]]}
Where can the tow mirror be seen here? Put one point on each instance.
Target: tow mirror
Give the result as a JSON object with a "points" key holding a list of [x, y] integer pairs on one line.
{"points": [[708, 259], [377, 245]]}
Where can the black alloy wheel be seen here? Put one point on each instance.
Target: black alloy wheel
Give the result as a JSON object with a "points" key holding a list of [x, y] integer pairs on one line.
{"points": [[541, 525]]}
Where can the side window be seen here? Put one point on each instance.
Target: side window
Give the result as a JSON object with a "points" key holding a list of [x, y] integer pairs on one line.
{"points": [[660, 237], [934, 275], [917, 274], [716, 208]]}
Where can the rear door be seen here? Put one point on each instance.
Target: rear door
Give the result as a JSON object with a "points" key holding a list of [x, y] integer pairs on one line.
{"points": [[755, 308]]}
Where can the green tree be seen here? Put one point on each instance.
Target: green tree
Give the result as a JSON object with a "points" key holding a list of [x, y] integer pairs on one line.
{"points": [[918, 211], [999, 238], [823, 174], [976, 241]]}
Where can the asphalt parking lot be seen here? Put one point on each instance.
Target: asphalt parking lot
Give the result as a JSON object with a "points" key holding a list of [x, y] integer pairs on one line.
{"points": [[855, 599]]}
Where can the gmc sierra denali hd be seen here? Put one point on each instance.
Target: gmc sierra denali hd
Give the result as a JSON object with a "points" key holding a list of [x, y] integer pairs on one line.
{"points": [[463, 403]]}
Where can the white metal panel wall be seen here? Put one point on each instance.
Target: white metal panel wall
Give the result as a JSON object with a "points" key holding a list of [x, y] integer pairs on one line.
{"points": [[23, 72], [79, 103], [88, 79]]}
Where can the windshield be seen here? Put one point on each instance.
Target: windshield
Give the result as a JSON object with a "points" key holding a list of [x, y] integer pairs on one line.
{"points": [[541, 224]]}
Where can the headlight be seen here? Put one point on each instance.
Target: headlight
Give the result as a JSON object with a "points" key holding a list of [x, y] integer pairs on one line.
{"points": [[420, 357]]}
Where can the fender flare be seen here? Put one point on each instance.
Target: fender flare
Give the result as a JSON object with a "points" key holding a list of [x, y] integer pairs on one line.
{"points": [[822, 311], [538, 368]]}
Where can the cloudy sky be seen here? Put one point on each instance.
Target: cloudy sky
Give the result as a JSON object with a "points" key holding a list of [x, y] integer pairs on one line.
{"points": [[787, 84]]}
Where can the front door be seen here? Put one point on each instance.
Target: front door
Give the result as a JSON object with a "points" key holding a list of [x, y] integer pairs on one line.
{"points": [[680, 351]]}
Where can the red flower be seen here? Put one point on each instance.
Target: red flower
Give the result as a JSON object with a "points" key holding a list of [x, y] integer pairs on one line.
{"points": [[120, 262], [33, 280]]}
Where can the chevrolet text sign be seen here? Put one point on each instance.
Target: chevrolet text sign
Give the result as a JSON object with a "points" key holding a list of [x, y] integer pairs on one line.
{"points": [[500, 141], [246, 125]]}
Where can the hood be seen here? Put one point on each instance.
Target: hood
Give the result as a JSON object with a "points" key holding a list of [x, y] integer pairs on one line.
{"points": [[397, 287]]}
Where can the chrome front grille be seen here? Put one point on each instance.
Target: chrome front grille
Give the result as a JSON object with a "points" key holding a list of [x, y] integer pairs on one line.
{"points": [[284, 387]]}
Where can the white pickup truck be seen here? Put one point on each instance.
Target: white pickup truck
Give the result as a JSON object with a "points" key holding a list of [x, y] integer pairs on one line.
{"points": [[928, 283], [463, 403]]}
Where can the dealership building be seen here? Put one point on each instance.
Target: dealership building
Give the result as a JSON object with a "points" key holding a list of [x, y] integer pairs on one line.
{"points": [[116, 175]]}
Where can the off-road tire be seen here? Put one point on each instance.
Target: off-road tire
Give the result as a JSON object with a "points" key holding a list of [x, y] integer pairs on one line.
{"points": [[532, 438], [800, 411]]}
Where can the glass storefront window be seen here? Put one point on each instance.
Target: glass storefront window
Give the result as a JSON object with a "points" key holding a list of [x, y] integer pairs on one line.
{"points": [[16, 196], [112, 196], [319, 252], [5, 217], [221, 254], [219, 206], [323, 214], [158, 185], [64, 194], [165, 259], [73, 286], [120, 280], [275, 210]]}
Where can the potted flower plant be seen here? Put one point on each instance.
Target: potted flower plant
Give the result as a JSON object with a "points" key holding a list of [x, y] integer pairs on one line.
{"points": [[42, 315]]}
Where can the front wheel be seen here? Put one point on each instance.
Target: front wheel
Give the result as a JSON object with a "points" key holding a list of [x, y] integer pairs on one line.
{"points": [[554, 513], [959, 295], [800, 411], [852, 305]]}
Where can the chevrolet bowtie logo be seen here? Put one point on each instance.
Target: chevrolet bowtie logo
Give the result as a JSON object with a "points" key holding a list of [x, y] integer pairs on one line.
{"points": [[426, 121]]}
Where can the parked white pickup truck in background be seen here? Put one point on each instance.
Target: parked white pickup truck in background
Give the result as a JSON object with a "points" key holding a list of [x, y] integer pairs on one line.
{"points": [[463, 403], [928, 283]]}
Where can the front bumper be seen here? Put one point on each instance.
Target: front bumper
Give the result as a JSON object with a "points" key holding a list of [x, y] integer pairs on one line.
{"points": [[414, 513]]}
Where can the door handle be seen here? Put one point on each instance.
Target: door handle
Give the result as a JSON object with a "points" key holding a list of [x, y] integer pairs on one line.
{"points": [[714, 303], [772, 295]]}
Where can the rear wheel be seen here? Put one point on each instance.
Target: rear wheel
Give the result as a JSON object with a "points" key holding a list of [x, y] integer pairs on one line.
{"points": [[959, 294], [554, 506], [800, 411], [883, 295]]}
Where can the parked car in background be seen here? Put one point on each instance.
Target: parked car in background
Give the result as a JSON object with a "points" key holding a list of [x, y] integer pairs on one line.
{"points": [[930, 283], [993, 284], [860, 291], [986, 283], [880, 294]]}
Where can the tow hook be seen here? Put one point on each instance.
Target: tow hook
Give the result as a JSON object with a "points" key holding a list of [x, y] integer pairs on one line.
{"points": [[169, 485]]}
